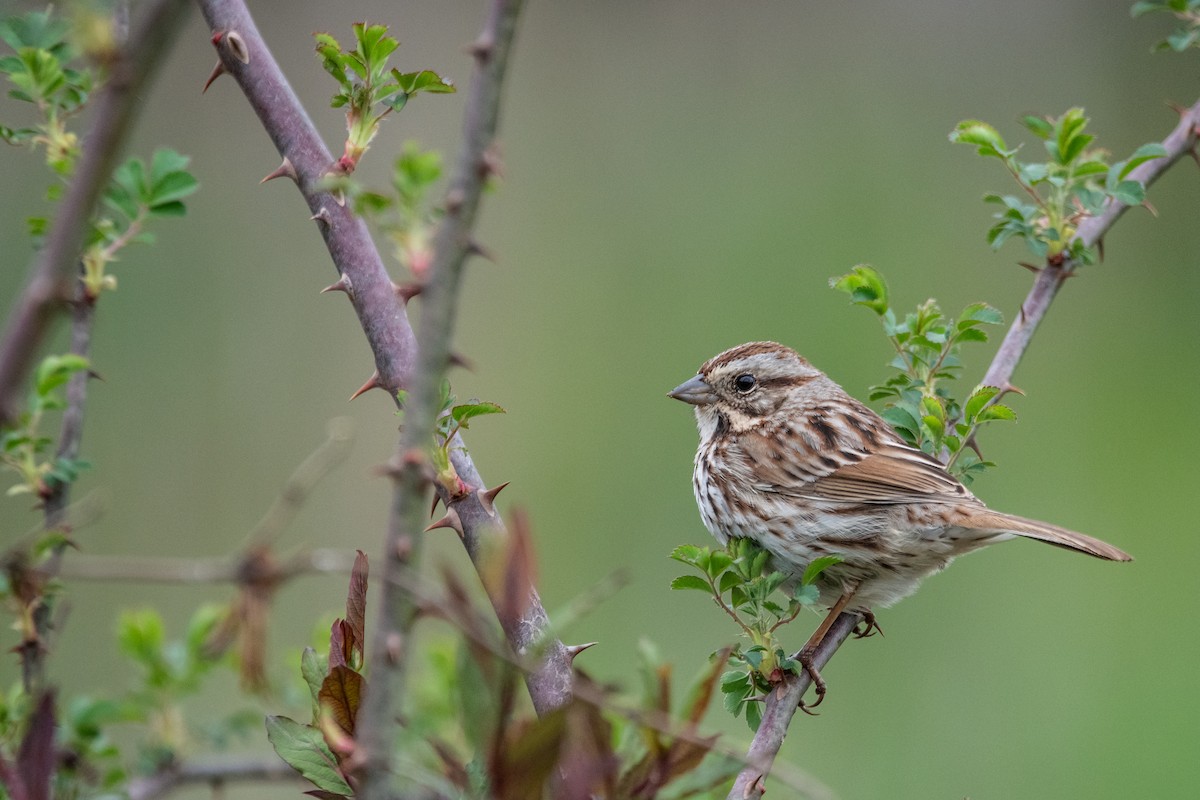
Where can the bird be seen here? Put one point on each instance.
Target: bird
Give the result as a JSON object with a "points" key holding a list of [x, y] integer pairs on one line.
{"points": [[790, 460]]}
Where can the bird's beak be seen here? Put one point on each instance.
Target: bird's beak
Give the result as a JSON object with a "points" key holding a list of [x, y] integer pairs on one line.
{"points": [[696, 392]]}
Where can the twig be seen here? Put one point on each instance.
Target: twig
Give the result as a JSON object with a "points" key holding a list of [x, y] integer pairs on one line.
{"points": [[1050, 278], [148, 569], [781, 704], [213, 773], [49, 288]]}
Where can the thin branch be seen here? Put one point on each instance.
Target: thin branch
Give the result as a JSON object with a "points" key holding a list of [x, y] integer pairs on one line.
{"points": [[214, 774], [149, 569], [49, 287], [781, 704], [1180, 142]]}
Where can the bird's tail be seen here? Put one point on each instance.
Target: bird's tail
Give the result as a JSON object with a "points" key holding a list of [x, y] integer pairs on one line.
{"points": [[1045, 532]]}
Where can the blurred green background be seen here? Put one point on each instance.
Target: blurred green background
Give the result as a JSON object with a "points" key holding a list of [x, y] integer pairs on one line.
{"points": [[682, 177]]}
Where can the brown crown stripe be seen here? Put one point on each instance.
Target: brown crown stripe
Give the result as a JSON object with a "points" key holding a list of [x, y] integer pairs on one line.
{"points": [[745, 351]]}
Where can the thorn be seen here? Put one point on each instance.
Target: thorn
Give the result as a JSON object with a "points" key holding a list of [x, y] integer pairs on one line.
{"points": [[1022, 314], [487, 499], [342, 284], [474, 248], [1100, 248], [481, 48], [284, 170], [451, 520], [437, 498], [217, 72], [1008, 387], [372, 383], [454, 201], [459, 360], [237, 46], [575, 649], [1034, 268], [1150, 206], [1178, 109], [407, 291], [321, 217]]}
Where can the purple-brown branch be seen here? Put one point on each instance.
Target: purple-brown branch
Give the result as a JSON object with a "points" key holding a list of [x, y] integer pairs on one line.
{"points": [[781, 704], [51, 284], [383, 318]]}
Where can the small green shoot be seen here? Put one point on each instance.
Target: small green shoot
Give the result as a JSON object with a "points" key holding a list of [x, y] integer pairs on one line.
{"points": [[23, 447], [918, 403], [740, 581], [369, 90], [1187, 12], [1057, 194]]}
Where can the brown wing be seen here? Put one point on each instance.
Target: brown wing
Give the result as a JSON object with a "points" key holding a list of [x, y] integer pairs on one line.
{"points": [[841, 469]]}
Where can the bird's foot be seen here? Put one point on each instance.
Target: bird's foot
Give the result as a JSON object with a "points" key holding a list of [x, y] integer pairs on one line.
{"points": [[805, 657], [869, 626]]}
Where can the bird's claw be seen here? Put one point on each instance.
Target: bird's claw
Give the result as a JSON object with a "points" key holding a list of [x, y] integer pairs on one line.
{"points": [[818, 683], [869, 626]]}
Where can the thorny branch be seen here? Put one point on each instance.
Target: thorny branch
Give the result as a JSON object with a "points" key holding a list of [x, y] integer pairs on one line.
{"points": [[244, 55], [781, 704]]}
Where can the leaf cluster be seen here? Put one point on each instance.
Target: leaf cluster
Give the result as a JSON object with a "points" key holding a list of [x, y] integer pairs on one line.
{"points": [[1072, 184], [739, 579], [1185, 36], [368, 89], [23, 447], [318, 750], [452, 418], [918, 402], [136, 193], [39, 74]]}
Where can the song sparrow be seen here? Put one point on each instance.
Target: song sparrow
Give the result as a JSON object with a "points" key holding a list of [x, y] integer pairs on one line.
{"points": [[789, 459]]}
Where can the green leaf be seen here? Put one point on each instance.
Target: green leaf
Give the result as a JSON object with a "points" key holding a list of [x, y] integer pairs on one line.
{"points": [[816, 567], [171, 187], [978, 399], [688, 554], [902, 420], [1146, 152], [986, 138], [424, 81], [996, 412], [807, 595], [718, 563], [1039, 126], [754, 715], [466, 411], [691, 582], [729, 580], [303, 748], [1144, 7], [313, 668], [979, 313], [1131, 193], [865, 286], [54, 371]]}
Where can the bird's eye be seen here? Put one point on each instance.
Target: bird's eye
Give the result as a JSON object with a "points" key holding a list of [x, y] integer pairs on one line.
{"points": [[744, 383]]}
